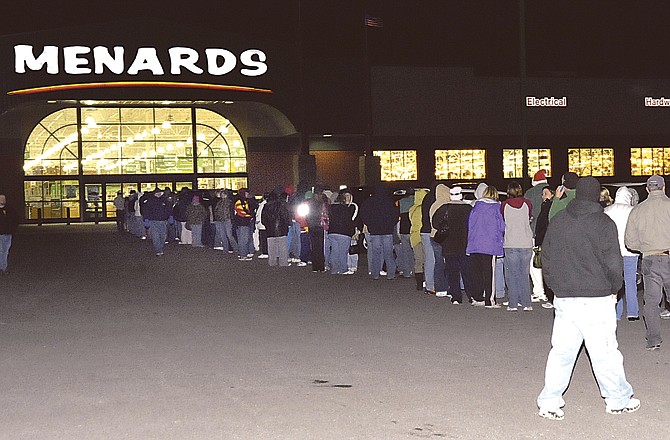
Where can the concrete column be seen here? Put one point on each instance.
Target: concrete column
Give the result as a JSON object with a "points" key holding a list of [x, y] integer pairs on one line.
{"points": [[370, 170]]}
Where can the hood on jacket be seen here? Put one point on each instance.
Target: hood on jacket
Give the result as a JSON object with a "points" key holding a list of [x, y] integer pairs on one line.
{"points": [[580, 208], [419, 195], [479, 192], [624, 195], [406, 203], [442, 194], [516, 202]]}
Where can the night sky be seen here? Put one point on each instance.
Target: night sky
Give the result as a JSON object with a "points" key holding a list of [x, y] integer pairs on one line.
{"points": [[563, 38]]}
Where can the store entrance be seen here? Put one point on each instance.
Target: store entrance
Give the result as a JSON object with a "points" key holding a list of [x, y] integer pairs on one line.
{"points": [[93, 202], [98, 197]]}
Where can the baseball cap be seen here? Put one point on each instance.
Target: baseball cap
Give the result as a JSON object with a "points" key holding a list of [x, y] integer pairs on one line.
{"points": [[456, 193], [655, 182]]}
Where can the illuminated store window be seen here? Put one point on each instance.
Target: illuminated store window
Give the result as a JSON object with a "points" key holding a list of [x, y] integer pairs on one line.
{"points": [[220, 148], [649, 160], [68, 148], [49, 199], [397, 164], [538, 159], [222, 182], [591, 161], [133, 141], [460, 164]]}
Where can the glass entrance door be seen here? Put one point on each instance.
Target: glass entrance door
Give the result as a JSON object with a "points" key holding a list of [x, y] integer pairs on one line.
{"points": [[94, 208]]}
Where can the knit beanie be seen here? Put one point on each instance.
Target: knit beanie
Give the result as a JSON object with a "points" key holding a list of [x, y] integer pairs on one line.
{"points": [[570, 181], [588, 188]]}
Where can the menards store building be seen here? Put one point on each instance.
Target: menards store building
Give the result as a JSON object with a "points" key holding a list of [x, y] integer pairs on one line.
{"points": [[92, 110]]}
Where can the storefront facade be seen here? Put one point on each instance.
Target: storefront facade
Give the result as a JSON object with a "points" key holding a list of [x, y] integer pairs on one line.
{"points": [[86, 114], [90, 111]]}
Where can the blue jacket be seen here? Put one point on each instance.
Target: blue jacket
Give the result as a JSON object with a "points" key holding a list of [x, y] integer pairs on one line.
{"points": [[156, 208], [380, 214], [486, 229]]}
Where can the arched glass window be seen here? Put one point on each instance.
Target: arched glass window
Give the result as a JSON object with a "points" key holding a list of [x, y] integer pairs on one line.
{"points": [[134, 140], [131, 146]]}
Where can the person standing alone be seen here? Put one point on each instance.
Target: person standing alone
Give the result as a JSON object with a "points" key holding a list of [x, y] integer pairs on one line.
{"points": [[582, 264], [9, 221]]}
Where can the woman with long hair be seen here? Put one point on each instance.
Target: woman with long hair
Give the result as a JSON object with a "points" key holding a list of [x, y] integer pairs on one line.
{"points": [[486, 230]]}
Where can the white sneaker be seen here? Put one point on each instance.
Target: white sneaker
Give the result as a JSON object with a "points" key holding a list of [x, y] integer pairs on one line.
{"points": [[547, 305], [301, 264], [349, 272], [632, 406], [441, 294], [538, 298], [665, 314], [478, 303], [528, 309], [512, 309], [250, 255], [552, 414], [493, 306], [263, 257], [218, 248], [382, 273]]}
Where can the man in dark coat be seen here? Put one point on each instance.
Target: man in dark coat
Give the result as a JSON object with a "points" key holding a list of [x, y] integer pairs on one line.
{"points": [[9, 221], [582, 264], [380, 214]]}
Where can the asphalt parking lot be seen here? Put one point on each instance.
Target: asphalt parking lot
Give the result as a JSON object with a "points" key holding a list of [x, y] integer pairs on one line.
{"points": [[101, 339]]}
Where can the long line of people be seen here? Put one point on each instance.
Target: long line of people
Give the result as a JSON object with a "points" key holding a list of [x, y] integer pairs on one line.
{"points": [[485, 251]]}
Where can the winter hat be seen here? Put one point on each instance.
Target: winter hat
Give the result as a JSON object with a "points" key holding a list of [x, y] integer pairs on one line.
{"points": [[540, 177], [570, 181], [456, 193], [588, 188], [655, 182]]}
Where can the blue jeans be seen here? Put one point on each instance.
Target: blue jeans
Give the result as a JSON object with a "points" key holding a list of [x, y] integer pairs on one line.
{"points": [[339, 250], [196, 233], [429, 263], [244, 243], [591, 321], [224, 235], [158, 234], [406, 256], [630, 287], [517, 275], [440, 268], [381, 248], [294, 240], [5, 244]]}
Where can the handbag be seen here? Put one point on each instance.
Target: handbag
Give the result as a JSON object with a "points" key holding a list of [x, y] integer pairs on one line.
{"points": [[353, 246], [537, 258], [442, 229]]}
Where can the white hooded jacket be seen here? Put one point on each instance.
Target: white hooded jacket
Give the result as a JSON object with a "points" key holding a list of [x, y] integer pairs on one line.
{"points": [[619, 212]]}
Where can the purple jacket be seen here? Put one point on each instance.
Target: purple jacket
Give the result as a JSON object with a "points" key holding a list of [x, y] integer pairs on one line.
{"points": [[486, 229]]}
